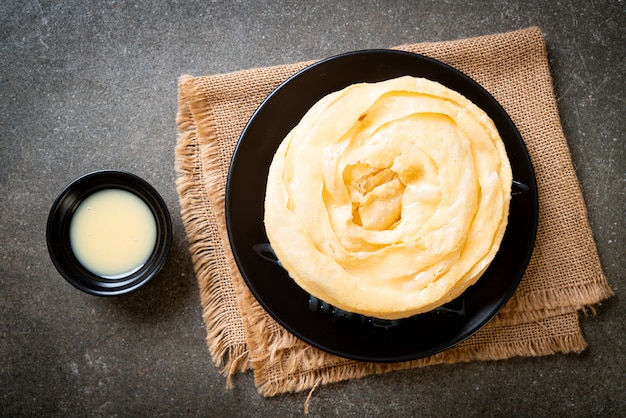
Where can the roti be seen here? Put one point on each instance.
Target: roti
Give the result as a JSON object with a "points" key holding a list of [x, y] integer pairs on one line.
{"points": [[389, 199]]}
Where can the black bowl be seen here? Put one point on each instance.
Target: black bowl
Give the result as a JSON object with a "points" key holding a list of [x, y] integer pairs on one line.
{"points": [[58, 232]]}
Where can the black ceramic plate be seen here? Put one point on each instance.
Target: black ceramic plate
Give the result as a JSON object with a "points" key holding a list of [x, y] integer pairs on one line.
{"points": [[355, 336]]}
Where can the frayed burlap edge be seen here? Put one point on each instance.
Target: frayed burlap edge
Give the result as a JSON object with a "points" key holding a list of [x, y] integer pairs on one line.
{"points": [[309, 367], [200, 211]]}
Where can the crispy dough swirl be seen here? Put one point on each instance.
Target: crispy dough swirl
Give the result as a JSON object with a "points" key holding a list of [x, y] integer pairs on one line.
{"points": [[389, 199]]}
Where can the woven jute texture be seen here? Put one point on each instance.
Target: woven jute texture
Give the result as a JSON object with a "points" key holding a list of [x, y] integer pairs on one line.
{"points": [[564, 275]]}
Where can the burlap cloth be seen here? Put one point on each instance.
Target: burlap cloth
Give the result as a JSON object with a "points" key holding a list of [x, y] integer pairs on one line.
{"points": [[564, 275]]}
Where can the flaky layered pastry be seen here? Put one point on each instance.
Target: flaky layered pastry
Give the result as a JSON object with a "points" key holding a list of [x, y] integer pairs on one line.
{"points": [[389, 199]]}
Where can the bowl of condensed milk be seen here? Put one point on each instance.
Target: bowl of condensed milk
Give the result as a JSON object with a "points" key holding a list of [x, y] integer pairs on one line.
{"points": [[109, 232]]}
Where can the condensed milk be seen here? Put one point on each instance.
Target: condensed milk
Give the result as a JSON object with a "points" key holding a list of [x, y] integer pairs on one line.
{"points": [[113, 233]]}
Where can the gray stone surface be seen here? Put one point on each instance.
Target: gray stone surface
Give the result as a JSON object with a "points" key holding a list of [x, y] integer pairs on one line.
{"points": [[92, 85]]}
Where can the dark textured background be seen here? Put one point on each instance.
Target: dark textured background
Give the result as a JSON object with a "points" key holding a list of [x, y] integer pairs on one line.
{"points": [[92, 85]]}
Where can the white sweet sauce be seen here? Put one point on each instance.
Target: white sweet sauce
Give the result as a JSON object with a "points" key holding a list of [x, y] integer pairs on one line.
{"points": [[113, 233]]}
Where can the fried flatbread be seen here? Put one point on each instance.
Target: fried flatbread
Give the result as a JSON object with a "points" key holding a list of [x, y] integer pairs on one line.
{"points": [[389, 199]]}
